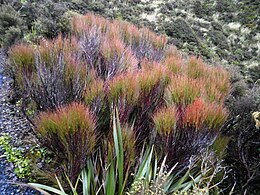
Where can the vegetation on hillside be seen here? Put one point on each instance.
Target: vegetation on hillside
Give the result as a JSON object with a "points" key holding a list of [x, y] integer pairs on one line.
{"points": [[64, 59], [76, 82]]}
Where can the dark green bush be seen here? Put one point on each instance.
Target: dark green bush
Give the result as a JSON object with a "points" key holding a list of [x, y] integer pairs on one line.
{"points": [[48, 22], [243, 149], [219, 39], [44, 18], [201, 9], [11, 26], [180, 30]]}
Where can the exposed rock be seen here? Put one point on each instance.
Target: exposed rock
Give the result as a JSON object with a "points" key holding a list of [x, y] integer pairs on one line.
{"points": [[14, 124]]}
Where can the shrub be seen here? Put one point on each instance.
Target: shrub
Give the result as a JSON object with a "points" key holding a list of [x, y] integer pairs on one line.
{"points": [[117, 58], [174, 64], [57, 85], [183, 90], [95, 97], [243, 149], [150, 175], [101, 63], [137, 95], [70, 133], [22, 57], [124, 87], [180, 29], [90, 43], [165, 121], [51, 74], [201, 114], [21, 63], [11, 26], [48, 21], [143, 42], [162, 99], [196, 68]]}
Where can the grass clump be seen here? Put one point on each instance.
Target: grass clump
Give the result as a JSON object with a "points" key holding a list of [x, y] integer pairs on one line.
{"points": [[161, 99], [70, 133]]}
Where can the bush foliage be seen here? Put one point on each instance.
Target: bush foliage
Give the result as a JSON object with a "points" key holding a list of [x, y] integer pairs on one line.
{"points": [[201, 27], [70, 133], [162, 98], [11, 26]]}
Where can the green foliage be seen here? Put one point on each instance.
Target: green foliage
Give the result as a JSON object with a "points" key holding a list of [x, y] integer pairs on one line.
{"points": [[24, 162], [248, 14], [16, 156], [201, 9], [11, 26], [97, 7], [219, 39], [220, 146], [181, 31], [50, 18], [118, 142]]}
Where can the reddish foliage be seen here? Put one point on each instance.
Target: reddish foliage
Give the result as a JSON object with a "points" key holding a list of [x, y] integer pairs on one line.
{"points": [[22, 58], [113, 63], [202, 114], [70, 133]]}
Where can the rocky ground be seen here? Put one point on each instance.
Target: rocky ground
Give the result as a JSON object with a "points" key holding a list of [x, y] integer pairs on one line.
{"points": [[13, 123]]}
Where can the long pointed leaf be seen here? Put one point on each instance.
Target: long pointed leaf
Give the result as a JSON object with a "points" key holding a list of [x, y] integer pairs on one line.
{"points": [[110, 183], [48, 188], [119, 150], [145, 164]]}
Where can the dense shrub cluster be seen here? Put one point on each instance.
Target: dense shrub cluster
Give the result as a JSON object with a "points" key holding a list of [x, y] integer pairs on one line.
{"points": [[243, 148], [51, 74], [31, 19], [162, 98], [216, 29], [11, 26]]}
